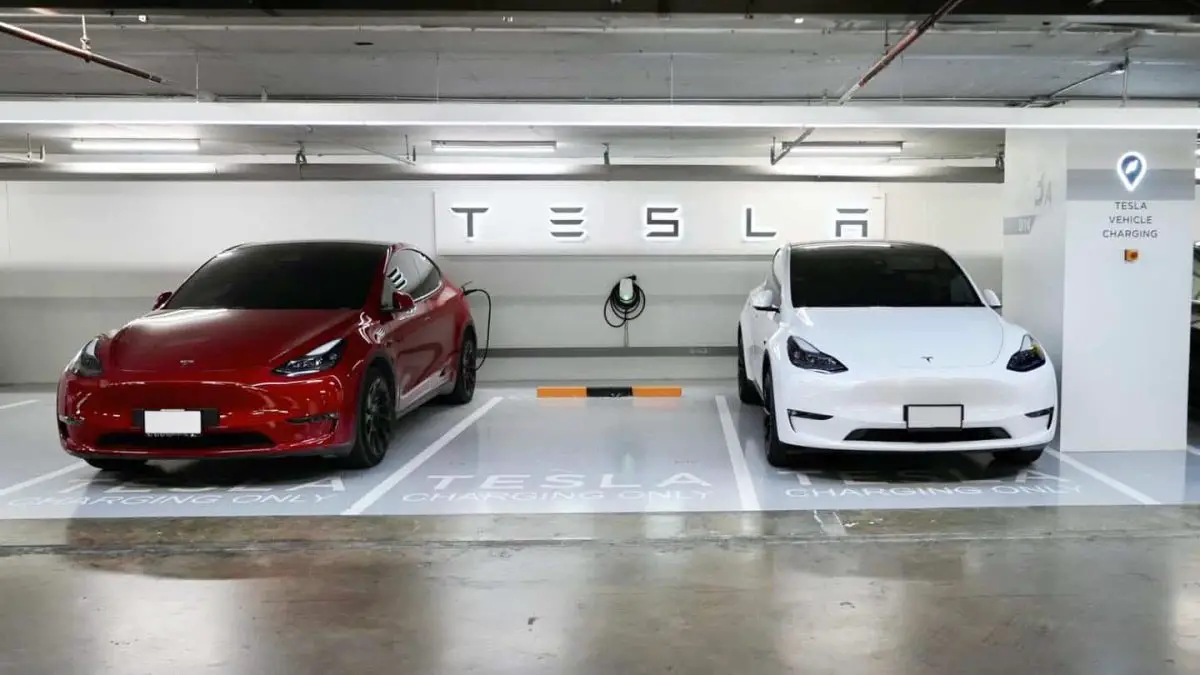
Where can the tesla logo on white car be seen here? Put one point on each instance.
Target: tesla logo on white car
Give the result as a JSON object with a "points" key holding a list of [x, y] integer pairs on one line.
{"points": [[928, 359]]}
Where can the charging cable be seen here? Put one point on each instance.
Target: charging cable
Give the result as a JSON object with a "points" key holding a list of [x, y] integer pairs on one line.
{"points": [[626, 302], [487, 331]]}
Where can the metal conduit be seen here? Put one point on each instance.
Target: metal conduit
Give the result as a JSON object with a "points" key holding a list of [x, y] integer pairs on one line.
{"points": [[90, 57], [883, 62]]}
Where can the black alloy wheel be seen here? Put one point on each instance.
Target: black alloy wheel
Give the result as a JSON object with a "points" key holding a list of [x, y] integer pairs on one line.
{"points": [[376, 421], [777, 451], [464, 380], [746, 392]]}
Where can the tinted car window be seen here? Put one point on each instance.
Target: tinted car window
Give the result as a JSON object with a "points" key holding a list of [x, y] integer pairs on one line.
{"points": [[399, 276], [878, 276], [426, 274], [284, 276]]}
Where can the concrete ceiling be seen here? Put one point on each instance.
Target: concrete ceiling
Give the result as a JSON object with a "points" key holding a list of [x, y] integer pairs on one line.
{"points": [[582, 57], [978, 61]]}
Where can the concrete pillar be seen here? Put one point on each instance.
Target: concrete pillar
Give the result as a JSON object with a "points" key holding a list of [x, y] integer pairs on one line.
{"points": [[1098, 266]]}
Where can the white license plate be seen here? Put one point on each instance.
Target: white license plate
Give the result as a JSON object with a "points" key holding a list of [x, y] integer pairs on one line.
{"points": [[934, 416], [172, 423]]}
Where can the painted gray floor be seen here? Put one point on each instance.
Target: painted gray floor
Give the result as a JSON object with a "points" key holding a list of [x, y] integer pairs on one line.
{"points": [[511, 453]]}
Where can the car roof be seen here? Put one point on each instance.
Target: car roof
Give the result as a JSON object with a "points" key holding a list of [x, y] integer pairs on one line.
{"points": [[843, 245], [317, 242]]}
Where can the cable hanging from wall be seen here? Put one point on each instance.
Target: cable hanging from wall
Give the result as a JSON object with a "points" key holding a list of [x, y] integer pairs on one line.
{"points": [[625, 302]]}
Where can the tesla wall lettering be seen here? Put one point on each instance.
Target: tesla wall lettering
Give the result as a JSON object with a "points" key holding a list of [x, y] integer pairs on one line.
{"points": [[751, 234], [566, 223], [850, 222], [663, 223], [470, 212]]}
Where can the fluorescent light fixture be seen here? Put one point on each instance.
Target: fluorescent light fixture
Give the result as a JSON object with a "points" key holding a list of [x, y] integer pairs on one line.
{"points": [[501, 168], [136, 145], [145, 168], [495, 147], [1198, 173], [857, 148], [1198, 151], [798, 19]]}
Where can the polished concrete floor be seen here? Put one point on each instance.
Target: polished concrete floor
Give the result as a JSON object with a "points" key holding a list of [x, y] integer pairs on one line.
{"points": [[524, 536], [1067, 590]]}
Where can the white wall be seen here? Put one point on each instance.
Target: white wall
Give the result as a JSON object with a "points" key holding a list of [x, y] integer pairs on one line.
{"points": [[77, 258]]}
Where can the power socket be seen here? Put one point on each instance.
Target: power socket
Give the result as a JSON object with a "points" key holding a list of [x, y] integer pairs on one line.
{"points": [[625, 290]]}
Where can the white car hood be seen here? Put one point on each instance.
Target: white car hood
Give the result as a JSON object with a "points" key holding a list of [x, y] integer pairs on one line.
{"points": [[902, 337]]}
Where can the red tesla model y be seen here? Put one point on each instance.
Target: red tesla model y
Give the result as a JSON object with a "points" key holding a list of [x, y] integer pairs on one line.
{"points": [[275, 349]]}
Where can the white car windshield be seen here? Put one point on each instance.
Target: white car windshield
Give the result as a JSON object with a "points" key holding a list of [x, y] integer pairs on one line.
{"points": [[878, 275]]}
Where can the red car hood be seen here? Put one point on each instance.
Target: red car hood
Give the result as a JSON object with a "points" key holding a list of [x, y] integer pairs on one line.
{"points": [[222, 339]]}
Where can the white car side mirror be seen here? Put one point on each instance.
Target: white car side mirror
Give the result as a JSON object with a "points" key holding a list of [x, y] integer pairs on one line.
{"points": [[991, 299], [763, 301]]}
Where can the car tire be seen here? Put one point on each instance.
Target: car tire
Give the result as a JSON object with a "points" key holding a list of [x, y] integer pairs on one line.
{"points": [[1019, 457], [746, 392], [116, 465], [778, 452], [375, 423], [464, 377]]}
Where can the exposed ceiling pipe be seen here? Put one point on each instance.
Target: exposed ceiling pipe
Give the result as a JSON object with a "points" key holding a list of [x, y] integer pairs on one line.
{"points": [[883, 62], [90, 57], [1052, 99], [27, 157]]}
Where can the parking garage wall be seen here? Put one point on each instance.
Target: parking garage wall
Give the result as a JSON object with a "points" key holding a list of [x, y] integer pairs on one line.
{"points": [[80, 257]]}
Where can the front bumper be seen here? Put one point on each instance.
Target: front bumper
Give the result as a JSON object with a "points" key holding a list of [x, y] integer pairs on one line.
{"points": [[243, 416], [864, 412]]}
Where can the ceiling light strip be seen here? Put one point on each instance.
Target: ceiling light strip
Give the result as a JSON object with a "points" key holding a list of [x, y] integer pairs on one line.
{"points": [[135, 145]]}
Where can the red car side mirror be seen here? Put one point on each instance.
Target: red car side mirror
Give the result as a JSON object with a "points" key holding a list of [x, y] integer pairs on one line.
{"points": [[162, 299], [402, 302]]}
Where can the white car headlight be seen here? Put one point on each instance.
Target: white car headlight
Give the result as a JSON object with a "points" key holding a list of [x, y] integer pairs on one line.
{"points": [[1030, 356], [804, 355]]}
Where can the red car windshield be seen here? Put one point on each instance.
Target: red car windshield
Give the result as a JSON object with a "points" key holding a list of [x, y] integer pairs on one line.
{"points": [[300, 275]]}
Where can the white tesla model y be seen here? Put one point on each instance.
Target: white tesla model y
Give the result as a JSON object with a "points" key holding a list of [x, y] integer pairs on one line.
{"points": [[889, 346]]}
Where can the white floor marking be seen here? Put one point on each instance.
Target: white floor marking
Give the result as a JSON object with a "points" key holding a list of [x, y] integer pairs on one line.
{"points": [[1194, 450], [42, 478], [18, 404], [737, 457], [413, 464], [830, 523], [1103, 478]]}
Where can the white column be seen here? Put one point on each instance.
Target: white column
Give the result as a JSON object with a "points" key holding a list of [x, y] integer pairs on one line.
{"points": [[1098, 266]]}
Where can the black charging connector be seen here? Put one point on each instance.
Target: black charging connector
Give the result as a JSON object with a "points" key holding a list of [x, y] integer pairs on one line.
{"points": [[487, 335]]}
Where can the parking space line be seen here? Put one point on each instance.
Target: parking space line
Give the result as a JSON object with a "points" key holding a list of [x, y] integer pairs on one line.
{"points": [[42, 478], [413, 464], [18, 404], [737, 457], [1193, 450], [1103, 478], [830, 523]]}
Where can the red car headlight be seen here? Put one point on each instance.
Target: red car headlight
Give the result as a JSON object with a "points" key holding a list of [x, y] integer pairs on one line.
{"points": [[86, 363], [320, 359]]}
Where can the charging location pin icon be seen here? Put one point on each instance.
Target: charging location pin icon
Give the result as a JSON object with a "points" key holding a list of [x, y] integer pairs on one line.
{"points": [[1131, 168]]}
